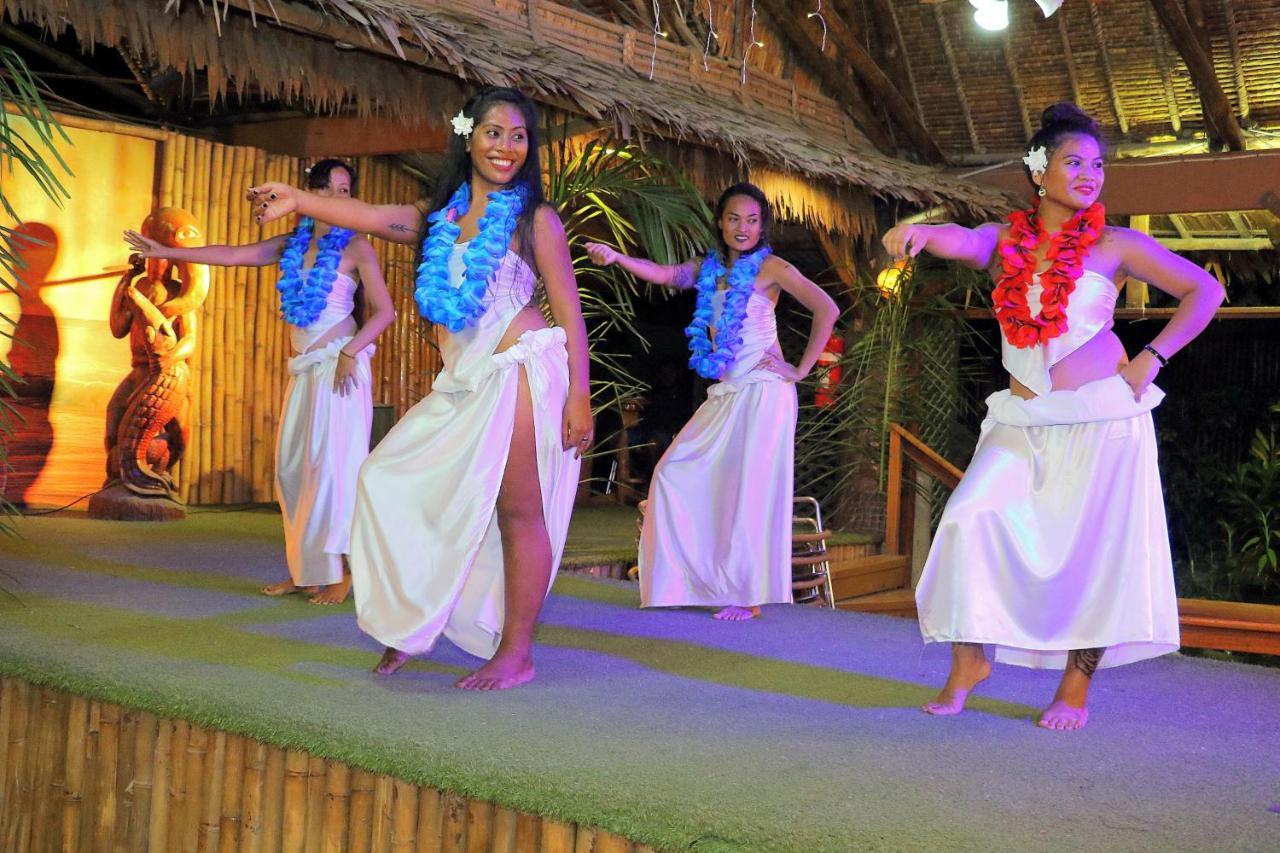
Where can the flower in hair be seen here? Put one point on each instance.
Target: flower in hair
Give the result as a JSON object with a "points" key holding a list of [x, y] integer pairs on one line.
{"points": [[1037, 159], [463, 124]]}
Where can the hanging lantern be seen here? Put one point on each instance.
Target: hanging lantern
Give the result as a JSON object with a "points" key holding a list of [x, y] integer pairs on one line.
{"points": [[889, 279]]}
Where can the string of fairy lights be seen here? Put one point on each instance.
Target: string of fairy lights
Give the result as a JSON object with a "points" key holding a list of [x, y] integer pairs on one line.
{"points": [[713, 35]]}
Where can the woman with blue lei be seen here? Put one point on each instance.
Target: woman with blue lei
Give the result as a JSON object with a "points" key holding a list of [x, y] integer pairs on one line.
{"points": [[328, 406], [463, 508], [717, 528]]}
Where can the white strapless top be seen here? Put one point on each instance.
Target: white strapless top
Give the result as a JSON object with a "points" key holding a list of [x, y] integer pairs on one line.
{"points": [[467, 356], [338, 306], [759, 332], [1090, 311]]}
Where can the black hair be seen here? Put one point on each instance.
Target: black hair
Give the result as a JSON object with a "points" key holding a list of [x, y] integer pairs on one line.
{"points": [[457, 164], [1057, 122], [318, 174], [751, 191]]}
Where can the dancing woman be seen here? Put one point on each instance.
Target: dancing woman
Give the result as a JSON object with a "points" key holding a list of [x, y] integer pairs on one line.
{"points": [[1053, 549], [328, 405], [463, 508], [717, 531]]}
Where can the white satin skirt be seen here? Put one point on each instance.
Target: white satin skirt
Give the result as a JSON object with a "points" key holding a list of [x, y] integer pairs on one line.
{"points": [[1056, 538], [426, 553], [717, 531], [322, 440]]}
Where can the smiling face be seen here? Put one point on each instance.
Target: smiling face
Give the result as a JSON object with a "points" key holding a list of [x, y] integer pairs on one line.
{"points": [[742, 223], [1075, 174], [339, 184], [499, 144]]}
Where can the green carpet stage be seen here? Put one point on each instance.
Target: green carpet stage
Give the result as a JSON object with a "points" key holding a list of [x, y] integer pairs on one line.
{"points": [[798, 731]]}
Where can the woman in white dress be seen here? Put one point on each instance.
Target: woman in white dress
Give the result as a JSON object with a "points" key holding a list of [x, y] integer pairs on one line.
{"points": [[328, 406], [717, 530], [1053, 550], [463, 508]]}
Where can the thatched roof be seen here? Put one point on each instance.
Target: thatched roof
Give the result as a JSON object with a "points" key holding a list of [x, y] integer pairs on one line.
{"points": [[565, 56]]}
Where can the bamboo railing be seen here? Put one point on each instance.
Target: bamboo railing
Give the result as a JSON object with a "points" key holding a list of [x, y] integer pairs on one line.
{"points": [[79, 774], [238, 370]]}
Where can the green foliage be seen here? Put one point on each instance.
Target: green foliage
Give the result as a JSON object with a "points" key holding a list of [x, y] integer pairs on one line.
{"points": [[1244, 563], [615, 193], [903, 363], [31, 146]]}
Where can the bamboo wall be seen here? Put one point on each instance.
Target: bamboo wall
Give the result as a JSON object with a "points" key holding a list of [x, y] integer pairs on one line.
{"points": [[238, 372], [77, 774]]}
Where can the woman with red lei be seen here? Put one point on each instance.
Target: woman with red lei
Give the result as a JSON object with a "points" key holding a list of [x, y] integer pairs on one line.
{"points": [[1053, 550]]}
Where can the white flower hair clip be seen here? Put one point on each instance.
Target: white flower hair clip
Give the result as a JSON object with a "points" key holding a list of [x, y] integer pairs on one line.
{"points": [[1037, 159], [463, 124]]}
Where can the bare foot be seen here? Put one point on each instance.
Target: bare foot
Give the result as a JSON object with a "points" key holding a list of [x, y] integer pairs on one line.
{"points": [[1063, 717], [283, 588], [392, 660], [334, 593], [736, 614], [969, 668], [502, 673]]}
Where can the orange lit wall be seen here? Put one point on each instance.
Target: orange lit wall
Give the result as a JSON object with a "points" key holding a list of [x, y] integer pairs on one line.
{"points": [[71, 361]]}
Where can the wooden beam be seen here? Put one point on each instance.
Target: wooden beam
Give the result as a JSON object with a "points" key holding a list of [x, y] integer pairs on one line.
{"points": [[1160, 185], [1011, 67], [1180, 226], [338, 137], [833, 79], [1217, 107], [58, 59], [1065, 39], [885, 21], [1237, 63], [1242, 227], [1135, 290], [1100, 36], [1166, 76], [956, 80], [887, 95], [1216, 244]]}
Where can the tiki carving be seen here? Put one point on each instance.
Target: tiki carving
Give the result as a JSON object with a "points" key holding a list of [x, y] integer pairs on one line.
{"points": [[155, 305]]}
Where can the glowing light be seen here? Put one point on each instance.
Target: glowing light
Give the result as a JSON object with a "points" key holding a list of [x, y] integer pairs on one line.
{"points": [[991, 14], [889, 279]]}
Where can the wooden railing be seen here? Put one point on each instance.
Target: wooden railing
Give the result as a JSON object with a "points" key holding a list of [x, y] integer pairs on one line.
{"points": [[905, 446]]}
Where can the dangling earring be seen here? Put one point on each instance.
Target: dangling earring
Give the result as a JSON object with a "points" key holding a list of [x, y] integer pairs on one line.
{"points": [[1040, 192]]}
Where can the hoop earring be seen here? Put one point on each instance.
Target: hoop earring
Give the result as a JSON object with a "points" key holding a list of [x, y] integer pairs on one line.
{"points": [[1040, 192]]}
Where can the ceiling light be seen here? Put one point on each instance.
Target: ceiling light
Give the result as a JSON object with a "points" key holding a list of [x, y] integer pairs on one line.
{"points": [[991, 14]]}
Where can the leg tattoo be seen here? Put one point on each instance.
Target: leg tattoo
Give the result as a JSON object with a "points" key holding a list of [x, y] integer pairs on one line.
{"points": [[1087, 660]]}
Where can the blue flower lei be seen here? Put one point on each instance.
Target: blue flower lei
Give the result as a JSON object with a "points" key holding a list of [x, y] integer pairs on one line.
{"points": [[708, 359], [455, 308], [301, 302]]}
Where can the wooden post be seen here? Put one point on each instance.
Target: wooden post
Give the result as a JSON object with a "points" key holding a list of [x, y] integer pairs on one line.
{"points": [[1135, 292], [893, 494]]}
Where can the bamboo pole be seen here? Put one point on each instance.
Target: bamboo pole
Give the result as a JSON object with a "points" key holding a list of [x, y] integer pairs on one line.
{"points": [[273, 800], [584, 840], [557, 837], [430, 819], [221, 358], [404, 817], [251, 827], [360, 829], [607, 842], [77, 732], [157, 835], [105, 803], [333, 836], [453, 838], [479, 826], [207, 344], [47, 781], [265, 303], [166, 144], [119, 792], [179, 757], [380, 841], [18, 700], [247, 306], [8, 688], [93, 760], [28, 749], [528, 831], [210, 823], [136, 774], [232, 788], [294, 834], [505, 822], [316, 796]]}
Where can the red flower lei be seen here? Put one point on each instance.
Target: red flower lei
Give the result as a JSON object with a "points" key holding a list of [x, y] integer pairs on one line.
{"points": [[1067, 252]]}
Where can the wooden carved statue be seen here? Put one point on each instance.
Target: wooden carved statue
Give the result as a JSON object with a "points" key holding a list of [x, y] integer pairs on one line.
{"points": [[155, 305]]}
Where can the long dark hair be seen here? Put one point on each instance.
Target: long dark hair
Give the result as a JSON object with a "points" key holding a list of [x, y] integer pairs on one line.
{"points": [[457, 163], [318, 174], [1057, 122], [753, 192]]}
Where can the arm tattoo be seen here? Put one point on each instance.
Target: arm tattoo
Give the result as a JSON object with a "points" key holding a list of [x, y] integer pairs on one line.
{"points": [[1087, 660], [683, 277], [401, 227]]}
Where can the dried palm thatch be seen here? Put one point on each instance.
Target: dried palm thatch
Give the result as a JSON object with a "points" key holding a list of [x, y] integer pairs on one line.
{"points": [[562, 56]]}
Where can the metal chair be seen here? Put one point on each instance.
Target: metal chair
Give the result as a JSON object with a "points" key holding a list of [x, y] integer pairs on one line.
{"points": [[810, 566]]}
